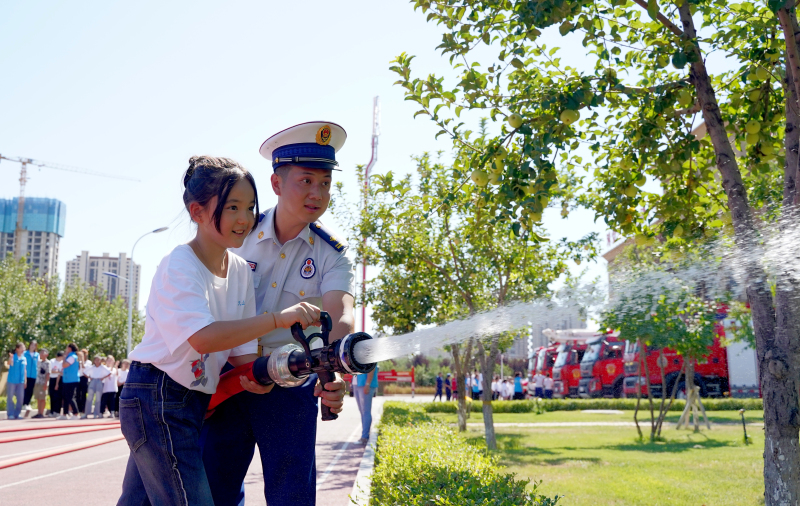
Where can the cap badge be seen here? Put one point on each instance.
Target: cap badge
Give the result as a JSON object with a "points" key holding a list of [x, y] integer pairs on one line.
{"points": [[308, 269], [324, 135], [276, 160]]}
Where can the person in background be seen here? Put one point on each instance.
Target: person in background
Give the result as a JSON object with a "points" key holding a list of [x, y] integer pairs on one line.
{"points": [[538, 384], [454, 384], [122, 376], [447, 387], [56, 365], [548, 387], [519, 394], [69, 381], [476, 389], [439, 385], [109, 389], [495, 394], [42, 382], [96, 373], [367, 385], [32, 359], [83, 387], [15, 383]]}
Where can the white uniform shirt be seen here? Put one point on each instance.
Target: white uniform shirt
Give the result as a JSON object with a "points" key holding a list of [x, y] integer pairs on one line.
{"points": [[122, 376], [548, 383], [303, 269], [186, 297], [538, 381]]}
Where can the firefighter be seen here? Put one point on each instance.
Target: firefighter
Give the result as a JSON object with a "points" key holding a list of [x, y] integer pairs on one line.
{"points": [[293, 257]]}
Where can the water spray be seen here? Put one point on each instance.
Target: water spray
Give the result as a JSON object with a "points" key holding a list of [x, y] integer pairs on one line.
{"points": [[292, 364]]}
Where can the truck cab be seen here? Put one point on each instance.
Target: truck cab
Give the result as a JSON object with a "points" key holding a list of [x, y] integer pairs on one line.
{"points": [[567, 369], [545, 359], [602, 371]]}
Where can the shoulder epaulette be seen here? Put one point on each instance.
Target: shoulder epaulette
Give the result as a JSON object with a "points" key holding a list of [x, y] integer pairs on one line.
{"points": [[261, 217], [319, 229]]}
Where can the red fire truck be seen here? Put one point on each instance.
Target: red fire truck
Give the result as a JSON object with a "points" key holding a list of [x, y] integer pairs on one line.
{"points": [[543, 359], [711, 371], [566, 369], [602, 367]]}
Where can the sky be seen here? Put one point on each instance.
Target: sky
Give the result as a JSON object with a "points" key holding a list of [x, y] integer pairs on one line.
{"points": [[135, 89]]}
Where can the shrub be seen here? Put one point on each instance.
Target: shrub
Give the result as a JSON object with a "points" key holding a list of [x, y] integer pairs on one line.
{"points": [[420, 462], [529, 406]]}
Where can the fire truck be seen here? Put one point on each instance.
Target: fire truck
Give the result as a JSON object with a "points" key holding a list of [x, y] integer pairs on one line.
{"points": [[732, 369], [570, 351], [602, 367], [543, 359]]}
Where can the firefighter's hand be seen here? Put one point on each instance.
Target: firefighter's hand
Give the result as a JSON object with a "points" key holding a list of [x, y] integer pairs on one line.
{"points": [[252, 386], [333, 395]]}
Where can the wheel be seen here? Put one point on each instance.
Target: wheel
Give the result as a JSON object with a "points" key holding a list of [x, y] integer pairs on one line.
{"points": [[617, 391]]}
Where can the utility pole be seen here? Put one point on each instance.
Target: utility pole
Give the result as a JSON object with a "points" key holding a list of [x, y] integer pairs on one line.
{"points": [[19, 244], [376, 131]]}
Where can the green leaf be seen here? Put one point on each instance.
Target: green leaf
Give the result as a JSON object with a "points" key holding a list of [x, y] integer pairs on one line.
{"points": [[652, 9], [516, 63]]}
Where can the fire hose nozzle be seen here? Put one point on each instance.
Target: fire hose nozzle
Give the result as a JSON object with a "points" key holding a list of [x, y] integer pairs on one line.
{"points": [[292, 364]]}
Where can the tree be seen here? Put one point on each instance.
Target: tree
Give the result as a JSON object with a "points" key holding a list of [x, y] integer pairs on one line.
{"points": [[637, 124], [657, 309], [442, 258], [34, 308]]}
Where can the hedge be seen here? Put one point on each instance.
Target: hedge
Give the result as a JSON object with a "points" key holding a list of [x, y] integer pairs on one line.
{"points": [[422, 462], [541, 405]]}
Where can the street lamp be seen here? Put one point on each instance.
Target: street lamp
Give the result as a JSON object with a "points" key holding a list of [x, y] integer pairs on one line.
{"points": [[130, 284]]}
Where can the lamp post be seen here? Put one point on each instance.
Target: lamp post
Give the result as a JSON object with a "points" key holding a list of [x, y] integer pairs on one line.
{"points": [[130, 285]]}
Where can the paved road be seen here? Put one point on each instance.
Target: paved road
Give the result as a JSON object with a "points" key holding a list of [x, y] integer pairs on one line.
{"points": [[94, 476]]}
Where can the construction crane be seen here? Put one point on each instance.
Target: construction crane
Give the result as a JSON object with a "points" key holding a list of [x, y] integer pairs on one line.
{"points": [[19, 247], [376, 132]]}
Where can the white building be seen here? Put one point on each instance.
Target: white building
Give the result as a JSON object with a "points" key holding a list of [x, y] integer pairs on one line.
{"points": [[90, 269]]}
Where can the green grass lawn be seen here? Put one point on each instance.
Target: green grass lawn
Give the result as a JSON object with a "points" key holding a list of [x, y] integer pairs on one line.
{"points": [[609, 466]]}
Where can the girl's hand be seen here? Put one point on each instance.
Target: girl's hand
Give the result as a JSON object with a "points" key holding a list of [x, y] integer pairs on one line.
{"points": [[304, 313], [252, 386]]}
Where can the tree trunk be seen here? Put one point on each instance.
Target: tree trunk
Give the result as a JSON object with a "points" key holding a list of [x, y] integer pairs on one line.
{"points": [[664, 412], [643, 360], [487, 369], [461, 363], [638, 390], [775, 333]]}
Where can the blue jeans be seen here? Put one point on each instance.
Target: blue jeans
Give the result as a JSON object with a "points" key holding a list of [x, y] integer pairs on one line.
{"points": [[94, 395], [283, 423], [18, 390], [364, 402], [161, 422]]}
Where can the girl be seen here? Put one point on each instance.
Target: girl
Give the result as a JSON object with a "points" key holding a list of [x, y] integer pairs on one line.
{"points": [[17, 365], [70, 380], [109, 389], [200, 314]]}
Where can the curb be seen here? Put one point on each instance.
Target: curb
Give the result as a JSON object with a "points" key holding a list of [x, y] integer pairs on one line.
{"points": [[363, 483]]}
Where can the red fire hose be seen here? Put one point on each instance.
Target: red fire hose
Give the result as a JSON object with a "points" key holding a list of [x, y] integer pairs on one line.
{"points": [[229, 385]]}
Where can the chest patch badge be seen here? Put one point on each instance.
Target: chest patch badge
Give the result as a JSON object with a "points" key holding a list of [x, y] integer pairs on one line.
{"points": [[252, 265], [308, 269]]}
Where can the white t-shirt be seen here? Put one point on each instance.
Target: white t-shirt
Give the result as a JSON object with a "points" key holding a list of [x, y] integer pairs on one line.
{"points": [[55, 367], [508, 389], [98, 372], [186, 297], [548, 383], [538, 380], [494, 386], [122, 376], [110, 383]]}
